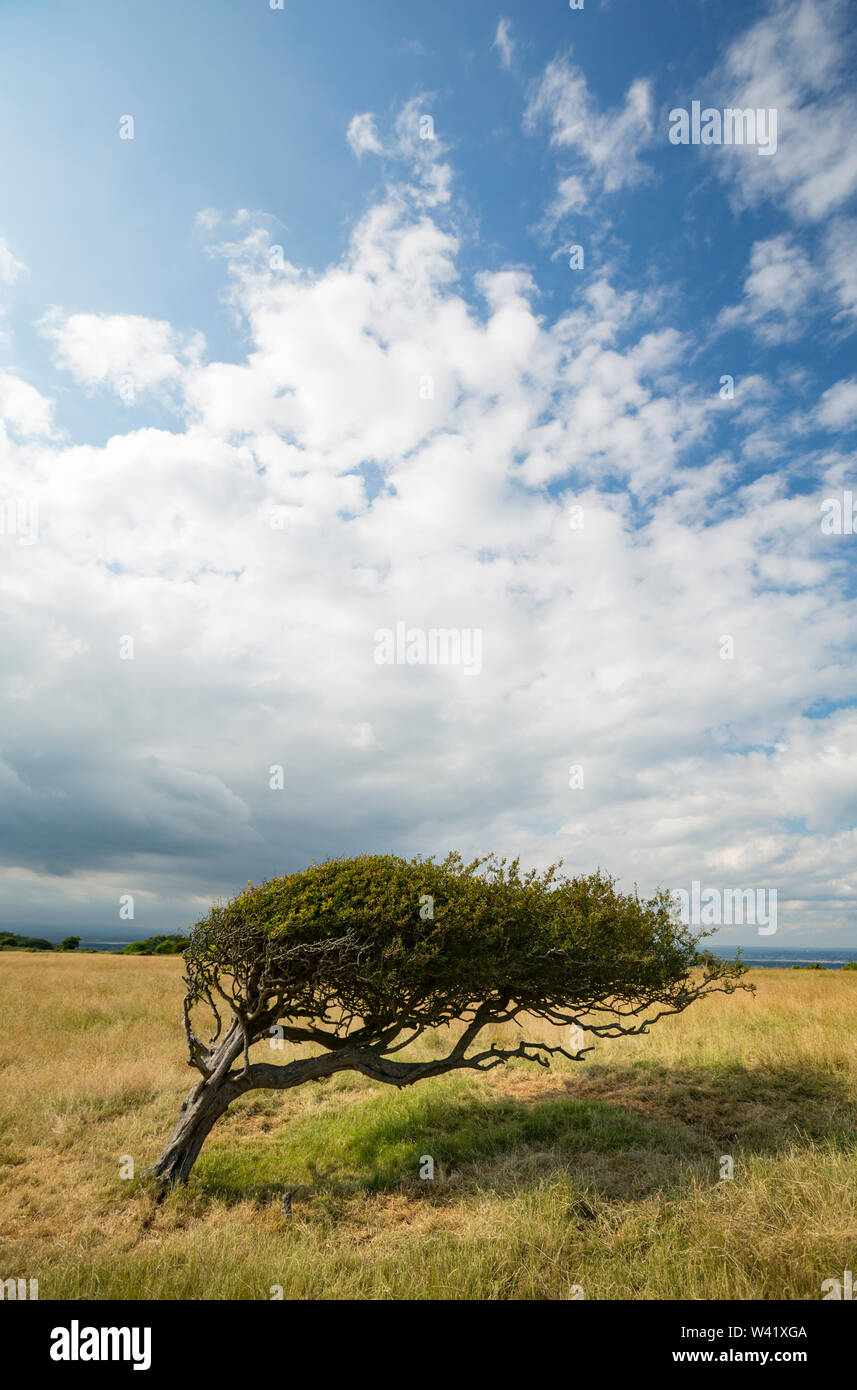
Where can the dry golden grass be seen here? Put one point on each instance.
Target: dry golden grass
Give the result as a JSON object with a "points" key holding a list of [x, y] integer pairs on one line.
{"points": [[604, 1174]]}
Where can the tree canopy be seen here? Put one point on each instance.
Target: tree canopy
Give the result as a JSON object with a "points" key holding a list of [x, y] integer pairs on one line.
{"points": [[359, 957]]}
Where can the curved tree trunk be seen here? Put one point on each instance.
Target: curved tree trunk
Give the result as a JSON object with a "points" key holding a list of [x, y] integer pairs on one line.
{"points": [[208, 1100], [199, 1113], [211, 1097]]}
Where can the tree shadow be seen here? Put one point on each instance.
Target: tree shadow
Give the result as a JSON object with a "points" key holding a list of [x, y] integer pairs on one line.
{"points": [[623, 1132]]}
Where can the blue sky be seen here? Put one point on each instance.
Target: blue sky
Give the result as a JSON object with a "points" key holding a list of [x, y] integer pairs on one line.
{"points": [[235, 462], [237, 106]]}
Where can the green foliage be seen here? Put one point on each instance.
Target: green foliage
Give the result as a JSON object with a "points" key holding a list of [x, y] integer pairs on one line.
{"points": [[418, 942], [156, 946], [9, 941], [70, 943], [814, 966], [851, 965]]}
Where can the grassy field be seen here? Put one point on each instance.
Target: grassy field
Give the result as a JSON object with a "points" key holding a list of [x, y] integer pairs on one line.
{"points": [[603, 1174]]}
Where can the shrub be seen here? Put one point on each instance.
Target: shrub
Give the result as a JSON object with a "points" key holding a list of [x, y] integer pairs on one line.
{"points": [[359, 957], [156, 946], [9, 941]]}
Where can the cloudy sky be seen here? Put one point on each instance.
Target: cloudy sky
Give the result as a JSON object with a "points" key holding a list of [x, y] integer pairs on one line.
{"points": [[295, 347]]}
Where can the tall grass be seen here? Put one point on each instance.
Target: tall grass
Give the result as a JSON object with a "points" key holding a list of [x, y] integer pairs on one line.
{"points": [[604, 1174]]}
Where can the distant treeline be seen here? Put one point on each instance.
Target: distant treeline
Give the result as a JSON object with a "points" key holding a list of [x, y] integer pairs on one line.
{"points": [[156, 946], [849, 965], [10, 941], [152, 946]]}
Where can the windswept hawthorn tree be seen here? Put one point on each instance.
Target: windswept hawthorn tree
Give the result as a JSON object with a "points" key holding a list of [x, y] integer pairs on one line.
{"points": [[359, 957]]}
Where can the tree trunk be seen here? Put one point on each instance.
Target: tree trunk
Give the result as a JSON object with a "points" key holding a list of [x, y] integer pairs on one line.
{"points": [[199, 1113], [208, 1100], [213, 1096]]}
